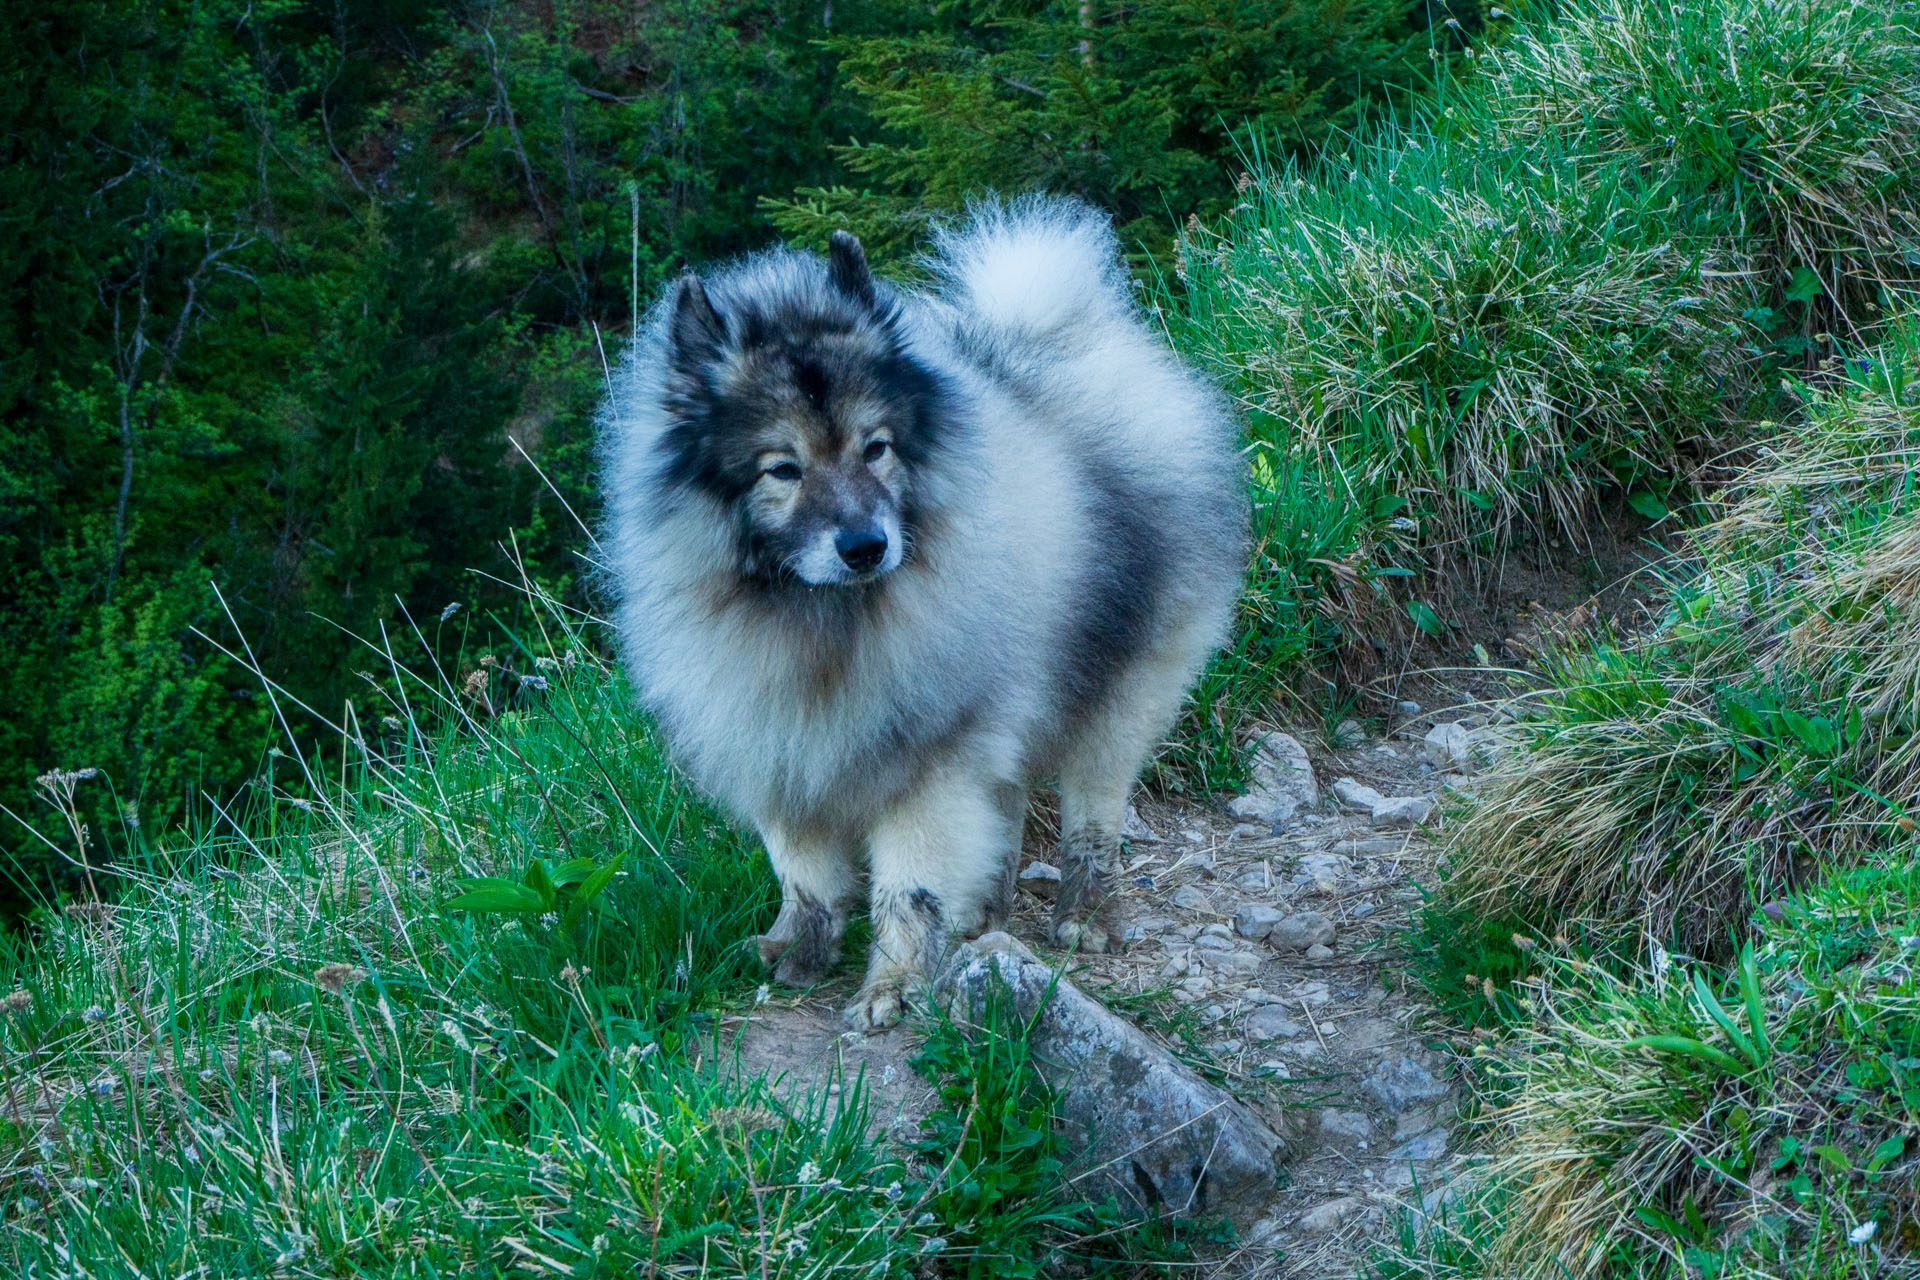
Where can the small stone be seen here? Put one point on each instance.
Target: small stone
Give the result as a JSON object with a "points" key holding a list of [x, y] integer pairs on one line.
{"points": [[1402, 811], [1446, 745], [1297, 933], [1371, 847], [1407, 708], [1154, 926], [1250, 831], [1213, 941], [1214, 1012], [1282, 782], [1400, 1084], [1313, 994], [1361, 910], [1176, 966], [1326, 1218], [1241, 964], [1216, 927], [1200, 860], [1270, 1022], [1384, 750], [1189, 898], [1256, 920], [1346, 1124], [1355, 794], [1319, 951], [1041, 879], [1350, 735], [1430, 1145], [1326, 870], [1134, 828]]}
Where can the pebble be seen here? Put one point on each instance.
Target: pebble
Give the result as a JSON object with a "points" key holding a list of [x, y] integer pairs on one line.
{"points": [[1213, 942], [1256, 920], [1319, 951], [1349, 735], [1188, 898], [1240, 963], [1041, 879], [1401, 1084], [1313, 994], [1407, 708], [1345, 1124], [1324, 1219], [1297, 933], [1361, 910], [1270, 1022], [1430, 1145]]}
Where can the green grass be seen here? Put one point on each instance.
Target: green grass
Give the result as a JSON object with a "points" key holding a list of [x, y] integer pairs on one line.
{"points": [[1676, 1120], [279, 1049], [1671, 780], [1573, 273]]}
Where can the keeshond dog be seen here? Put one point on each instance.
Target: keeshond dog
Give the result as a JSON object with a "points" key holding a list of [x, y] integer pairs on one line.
{"points": [[886, 559]]}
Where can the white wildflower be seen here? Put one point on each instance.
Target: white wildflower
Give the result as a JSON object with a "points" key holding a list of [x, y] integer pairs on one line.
{"points": [[1862, 1233], [809, 1173]]}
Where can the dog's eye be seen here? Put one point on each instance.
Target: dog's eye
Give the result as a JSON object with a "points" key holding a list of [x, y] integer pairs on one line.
{"points": [[876, 450], [788, 471]]}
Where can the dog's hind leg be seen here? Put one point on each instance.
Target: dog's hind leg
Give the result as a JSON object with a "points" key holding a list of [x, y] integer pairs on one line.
{"points": [[817, 881], [1096, 776], [938, 862]]}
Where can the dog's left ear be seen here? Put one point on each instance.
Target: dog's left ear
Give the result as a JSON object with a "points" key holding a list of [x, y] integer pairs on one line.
{"points": [[847, 268]]}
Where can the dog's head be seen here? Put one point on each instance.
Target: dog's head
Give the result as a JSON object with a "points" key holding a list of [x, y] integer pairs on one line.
{"points": [[796, 407]]}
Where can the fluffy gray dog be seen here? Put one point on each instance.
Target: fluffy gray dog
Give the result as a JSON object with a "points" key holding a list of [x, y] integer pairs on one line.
{"points": [[885, 560]]}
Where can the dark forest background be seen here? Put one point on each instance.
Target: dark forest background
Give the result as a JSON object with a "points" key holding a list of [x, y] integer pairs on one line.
{"points": [[294, 296]]}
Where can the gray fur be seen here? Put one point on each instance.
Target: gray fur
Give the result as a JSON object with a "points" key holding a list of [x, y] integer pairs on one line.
{"points": [[1064, 509]]}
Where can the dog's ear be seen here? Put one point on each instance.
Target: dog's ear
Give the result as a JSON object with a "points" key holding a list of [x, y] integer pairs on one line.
{"points": [[847, 268], [696, 330]]}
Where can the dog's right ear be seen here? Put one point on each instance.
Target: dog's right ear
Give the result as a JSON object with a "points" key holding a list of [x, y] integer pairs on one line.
{"points": [[696, 329], [847, 268]]}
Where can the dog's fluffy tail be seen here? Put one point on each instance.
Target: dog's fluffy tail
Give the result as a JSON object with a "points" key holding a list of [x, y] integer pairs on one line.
{"points": [[1040, 270]]}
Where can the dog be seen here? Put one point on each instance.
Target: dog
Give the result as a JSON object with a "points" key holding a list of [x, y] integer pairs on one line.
{"points": [[883, 560]]}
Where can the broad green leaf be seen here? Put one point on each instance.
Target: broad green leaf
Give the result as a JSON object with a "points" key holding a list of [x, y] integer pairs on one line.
{"points": [[1647, 505], [490, 893]]}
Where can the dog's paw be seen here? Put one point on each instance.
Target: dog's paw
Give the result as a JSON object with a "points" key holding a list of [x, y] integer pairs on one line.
{"points": [[1084, 936], [772, 949], [802, 968], [877, 1008]]}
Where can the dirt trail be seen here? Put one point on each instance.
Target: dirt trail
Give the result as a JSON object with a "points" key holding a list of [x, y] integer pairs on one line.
{"points": [[1327, 1044]]}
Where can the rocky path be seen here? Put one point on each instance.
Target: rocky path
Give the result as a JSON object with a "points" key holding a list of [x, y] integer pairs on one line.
{"points": [[1266, 947]]}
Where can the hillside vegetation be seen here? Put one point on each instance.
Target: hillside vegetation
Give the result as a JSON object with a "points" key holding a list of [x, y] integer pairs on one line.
{"points": [[457, 993], [1570, 281]]}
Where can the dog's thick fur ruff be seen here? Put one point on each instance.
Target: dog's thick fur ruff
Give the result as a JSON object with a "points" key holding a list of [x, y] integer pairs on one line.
{"points": [[1065, 512]]}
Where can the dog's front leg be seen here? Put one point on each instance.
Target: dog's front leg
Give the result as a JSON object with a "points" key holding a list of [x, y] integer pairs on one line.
{"points": [[817, 881], [938, 859]]}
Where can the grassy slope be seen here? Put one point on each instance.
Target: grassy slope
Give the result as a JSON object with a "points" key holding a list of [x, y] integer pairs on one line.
{"points": [[1573, 274], [1735, 784], [284, 1054]]}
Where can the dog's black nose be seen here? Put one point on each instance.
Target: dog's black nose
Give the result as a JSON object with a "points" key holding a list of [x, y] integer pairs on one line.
{"points": [[862, 549]]}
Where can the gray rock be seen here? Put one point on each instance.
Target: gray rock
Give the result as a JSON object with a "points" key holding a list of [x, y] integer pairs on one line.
{"points": [[1402, 811], [1350, 735], [1041, 879], [1191, 899], [1283, 782], [1372, 847], [1231, 964], [1446, 745], [1255, 920], [1154, 926], [1145, 1128], [1314, 993], [1407, 708], [1326, 1218], [1270, 1022], [1319, 951], [1430, 1145], [1297, 933], [1213, 941], [1346, 1124], [1356, 795], [1384, 811], [1401, 1084], [1325, 870], [1133, 827]]}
